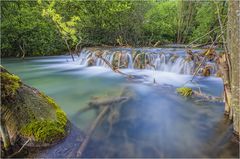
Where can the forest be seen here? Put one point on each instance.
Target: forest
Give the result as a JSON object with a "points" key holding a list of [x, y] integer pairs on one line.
{"points": [[37, 28], [120, 79]]}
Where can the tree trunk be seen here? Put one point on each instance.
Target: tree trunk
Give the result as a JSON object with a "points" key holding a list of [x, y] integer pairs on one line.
{"points": [[69, 49], [23, 51], [234, 50]]}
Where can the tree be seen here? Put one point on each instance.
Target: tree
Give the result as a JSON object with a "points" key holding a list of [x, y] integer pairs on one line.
{"points": [[161, 22], [206, 20], [25, 32], [233, 40], [66, 28], [186, 12]]}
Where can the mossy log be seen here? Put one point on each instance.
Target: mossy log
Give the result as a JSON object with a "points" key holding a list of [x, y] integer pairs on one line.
{"points": [[185, 91], [189, 92], [29, 114]]}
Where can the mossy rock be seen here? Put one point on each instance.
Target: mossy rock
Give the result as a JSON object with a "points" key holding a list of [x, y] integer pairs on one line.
{"points": [[185, 91], [30, 114]]}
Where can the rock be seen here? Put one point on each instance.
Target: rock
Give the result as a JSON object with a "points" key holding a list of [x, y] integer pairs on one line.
{"points": [[30, 114]]}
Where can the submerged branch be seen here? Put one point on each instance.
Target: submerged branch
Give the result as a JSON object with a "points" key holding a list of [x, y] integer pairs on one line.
{"points": [[111, 105], [207, 97], [91, 130]]}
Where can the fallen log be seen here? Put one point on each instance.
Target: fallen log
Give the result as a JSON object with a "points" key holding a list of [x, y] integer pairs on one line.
{"points": [[112, 101], [100, 102], [91, 130], [189, 92], [113, 105]]}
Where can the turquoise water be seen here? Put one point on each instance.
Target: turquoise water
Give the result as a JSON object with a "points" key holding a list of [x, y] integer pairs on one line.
{"points": [[156, 123]]}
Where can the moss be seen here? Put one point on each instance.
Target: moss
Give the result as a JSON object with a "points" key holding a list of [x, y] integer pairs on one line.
{"points": [[50, 101], [43, 131], [47, 130], [185, 91], [9, 84]]}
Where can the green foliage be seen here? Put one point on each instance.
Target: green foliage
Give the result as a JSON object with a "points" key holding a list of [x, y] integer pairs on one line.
{"points": [[44, 27], [161, 21], [67, 29], [23, 29], [185, 91], [207, 20], [9, 84]]}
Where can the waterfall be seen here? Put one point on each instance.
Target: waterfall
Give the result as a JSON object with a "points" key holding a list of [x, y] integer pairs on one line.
{"points": [[160, 61], [130, 59]]}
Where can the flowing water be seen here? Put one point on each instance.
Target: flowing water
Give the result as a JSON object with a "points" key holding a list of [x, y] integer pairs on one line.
{"points": [[157, 122]]}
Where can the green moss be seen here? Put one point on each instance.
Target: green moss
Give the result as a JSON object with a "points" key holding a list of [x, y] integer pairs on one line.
{"points": [[43, 131], [47, 130], [50, 101], [185, 91], [9, 84]]}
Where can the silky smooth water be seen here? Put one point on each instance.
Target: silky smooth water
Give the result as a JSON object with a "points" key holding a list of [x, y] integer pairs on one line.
{"points": [[157, 123]]}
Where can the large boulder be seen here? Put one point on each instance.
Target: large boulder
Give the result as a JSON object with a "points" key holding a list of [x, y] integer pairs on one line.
{"points": [[29, 114]]}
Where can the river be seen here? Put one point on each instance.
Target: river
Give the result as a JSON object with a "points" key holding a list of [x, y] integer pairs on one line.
{"points": [[157, 123]]}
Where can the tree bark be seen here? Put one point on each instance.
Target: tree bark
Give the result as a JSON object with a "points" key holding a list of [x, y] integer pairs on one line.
{"points": [[234, 50]]}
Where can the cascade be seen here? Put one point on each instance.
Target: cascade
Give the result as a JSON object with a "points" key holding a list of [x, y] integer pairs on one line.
{"points": [[160, 61]]}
